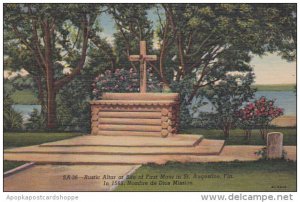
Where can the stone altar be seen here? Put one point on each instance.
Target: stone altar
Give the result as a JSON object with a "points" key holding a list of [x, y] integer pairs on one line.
{"points": [[145, 114]]}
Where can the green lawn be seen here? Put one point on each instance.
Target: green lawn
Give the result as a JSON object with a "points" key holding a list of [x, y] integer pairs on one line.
{"points": [[31, 138], [232, 176], [275, 87], [25, 97], [8, 165], [237, 136]]}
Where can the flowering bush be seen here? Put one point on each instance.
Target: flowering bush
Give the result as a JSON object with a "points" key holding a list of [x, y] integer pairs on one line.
{"points": [[122, 80], [228, 97], [259, 114]]}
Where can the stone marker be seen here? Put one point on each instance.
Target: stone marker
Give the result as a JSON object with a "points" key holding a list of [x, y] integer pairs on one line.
{"points": [[274, 145]]}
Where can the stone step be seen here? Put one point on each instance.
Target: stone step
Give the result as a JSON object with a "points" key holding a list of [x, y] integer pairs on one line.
{"points": [[126, 121], [134, 115], [106, 159], [128, 141], [226, 155], [206, 147], [143, 128], [129, 133]]}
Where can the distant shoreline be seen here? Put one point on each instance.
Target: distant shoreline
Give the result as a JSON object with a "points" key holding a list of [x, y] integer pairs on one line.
{"points": [[275, 87]]}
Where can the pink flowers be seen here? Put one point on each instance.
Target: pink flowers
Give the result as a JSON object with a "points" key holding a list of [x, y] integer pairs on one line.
{"points": [[258, 114], [122, 80], [261, 110], [250, 105]]}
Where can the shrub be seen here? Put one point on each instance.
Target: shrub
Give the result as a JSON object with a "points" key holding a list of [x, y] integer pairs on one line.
{"points": [[246, 119], [228, 96], [259, 114], [262, 153], [184, 87], [12, 120], [205, 120], [122, 80], [35, 122], [73, 108]]}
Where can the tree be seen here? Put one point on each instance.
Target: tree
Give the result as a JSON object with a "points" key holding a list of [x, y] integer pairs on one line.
{"points": [[132, 26], [46, 35], [73, 108], [228, 96], [12, 120], [18, 57], [212, 39]]}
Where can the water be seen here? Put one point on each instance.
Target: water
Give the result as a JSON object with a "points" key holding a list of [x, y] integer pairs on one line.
{"points": [[25, 110], [284, 99]]}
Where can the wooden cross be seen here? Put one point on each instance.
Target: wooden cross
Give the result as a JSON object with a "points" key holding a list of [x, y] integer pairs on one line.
{"points": [[143, 58]]}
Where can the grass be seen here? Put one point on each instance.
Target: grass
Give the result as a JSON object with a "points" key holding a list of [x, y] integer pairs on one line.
{"points": [[276, 87], [8, 165], [25, 97], [27, 138], [237, 136], [231, 176]]}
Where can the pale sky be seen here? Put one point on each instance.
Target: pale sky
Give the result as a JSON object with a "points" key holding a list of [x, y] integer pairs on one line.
{"points": [[271, 69]]}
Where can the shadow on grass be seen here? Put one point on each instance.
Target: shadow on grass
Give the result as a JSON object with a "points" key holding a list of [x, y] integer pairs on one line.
{"points": [[20, 139]]}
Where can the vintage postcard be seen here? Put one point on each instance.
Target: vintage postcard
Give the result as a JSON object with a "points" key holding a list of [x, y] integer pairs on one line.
{"points": [[150, 97]]}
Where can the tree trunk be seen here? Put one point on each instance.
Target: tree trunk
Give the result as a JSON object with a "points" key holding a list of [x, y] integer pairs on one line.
{"points": [[51, 95], [41, 97], [263, 132], [226, 132], [166, 85], [248, 133], [51, 105], [50, 81]]}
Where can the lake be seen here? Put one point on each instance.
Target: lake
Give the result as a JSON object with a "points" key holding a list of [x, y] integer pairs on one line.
{"points": [[284, 99], [25, 110]]}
